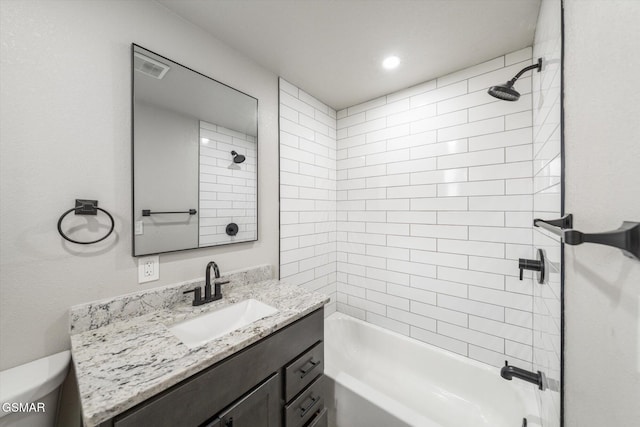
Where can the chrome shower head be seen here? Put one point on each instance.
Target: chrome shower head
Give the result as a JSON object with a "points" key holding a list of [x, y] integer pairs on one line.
{"points": [[237, 158], [506, 92]]}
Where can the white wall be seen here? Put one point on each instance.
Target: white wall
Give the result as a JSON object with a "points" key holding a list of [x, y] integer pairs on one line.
{"points": [[602, 147], [66, 133], [547, 205], [434, 210], [307, 192]]}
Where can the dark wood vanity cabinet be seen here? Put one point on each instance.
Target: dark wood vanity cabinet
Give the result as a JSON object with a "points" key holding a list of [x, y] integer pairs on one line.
{"points": [[276, 382]]}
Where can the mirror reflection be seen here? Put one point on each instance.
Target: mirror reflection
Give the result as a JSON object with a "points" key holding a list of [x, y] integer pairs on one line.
{"points": [[194, 158]]}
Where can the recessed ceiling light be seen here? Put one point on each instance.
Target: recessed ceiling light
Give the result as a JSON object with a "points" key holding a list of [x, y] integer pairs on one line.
{"points": [[391, 62]]}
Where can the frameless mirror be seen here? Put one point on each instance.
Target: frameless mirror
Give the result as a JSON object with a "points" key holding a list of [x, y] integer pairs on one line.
{"points": [[195, 158]]}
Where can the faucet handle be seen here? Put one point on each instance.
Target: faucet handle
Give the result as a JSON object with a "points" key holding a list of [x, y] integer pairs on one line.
{"points": [[197, 295], [217, 282]]}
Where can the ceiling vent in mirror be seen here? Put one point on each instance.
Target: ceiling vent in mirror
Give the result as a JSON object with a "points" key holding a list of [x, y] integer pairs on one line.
{"points": [[149, 66]]}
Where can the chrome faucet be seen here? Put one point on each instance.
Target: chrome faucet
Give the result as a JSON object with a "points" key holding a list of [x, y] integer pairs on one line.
{"points": [[217, 294]]}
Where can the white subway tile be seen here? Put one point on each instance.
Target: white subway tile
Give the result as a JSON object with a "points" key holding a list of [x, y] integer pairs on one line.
{"points": [[476, 278], [386, 205], [470, 336], [412, 293], [439, 94], [440, 176], [411, 191], [502, 139], [418, 165], [493, 265], [367, 149], [398, 278], [439, 122], [518, 318], [366, 105], [519, 186], [388, 109], [439, 258], [387, 252], [439, 313], [388, 300], [295, 104], [287, 87], [501, 203], [521, 351], [443, 148], [471, 218], [388, 157], [366, 127], [518, 120], [367, 171], [439, 203], [444, 231], [504, 330], [518, 153], [470, 247], [369, 306], [416, 217], [468, 306], [409, 141], [389, 133], [492, 358], [480, 188], [411, 268], [388, 228], [412, 319], [469, 130], [505, 299], [499, 234], [412, 115], [305, 97]]}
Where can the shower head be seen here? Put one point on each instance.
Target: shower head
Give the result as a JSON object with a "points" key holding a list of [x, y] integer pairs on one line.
{"points": [[506, 92], [237, 158]]}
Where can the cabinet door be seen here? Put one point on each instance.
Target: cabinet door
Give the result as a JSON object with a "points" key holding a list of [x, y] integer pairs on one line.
{"points": [[259, 408]]}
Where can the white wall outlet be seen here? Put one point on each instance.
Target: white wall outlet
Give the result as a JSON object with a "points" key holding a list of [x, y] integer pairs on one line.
{"points": [[139, 228], [148, 268]]}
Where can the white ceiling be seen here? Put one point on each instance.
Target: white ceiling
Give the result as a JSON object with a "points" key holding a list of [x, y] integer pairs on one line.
{"points": [[333, 48]]}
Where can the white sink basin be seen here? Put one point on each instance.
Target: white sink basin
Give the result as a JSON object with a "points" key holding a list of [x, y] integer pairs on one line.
{"points": [[197, 331]]}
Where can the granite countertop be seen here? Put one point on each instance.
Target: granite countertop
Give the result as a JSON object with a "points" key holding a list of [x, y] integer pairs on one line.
{"points": [[127, 361]]}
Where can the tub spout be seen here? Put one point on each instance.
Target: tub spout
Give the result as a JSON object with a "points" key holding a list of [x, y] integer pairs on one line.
{"points": [[508, 372]]}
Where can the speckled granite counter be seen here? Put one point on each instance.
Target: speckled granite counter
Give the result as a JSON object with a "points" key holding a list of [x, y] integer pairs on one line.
{"points": [[130, 360]]}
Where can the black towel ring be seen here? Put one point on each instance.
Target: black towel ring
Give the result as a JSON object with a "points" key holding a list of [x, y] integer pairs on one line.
{"points": [[85, 207]]}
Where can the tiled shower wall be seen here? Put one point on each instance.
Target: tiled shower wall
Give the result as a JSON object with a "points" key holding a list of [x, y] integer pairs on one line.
{"points": [[434, 209], [307, 192], [547, 134], [227, 190]]}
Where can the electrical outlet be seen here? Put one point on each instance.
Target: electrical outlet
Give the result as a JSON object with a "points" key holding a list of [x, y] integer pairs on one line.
{"points": [[148, 268], [139, 230]]}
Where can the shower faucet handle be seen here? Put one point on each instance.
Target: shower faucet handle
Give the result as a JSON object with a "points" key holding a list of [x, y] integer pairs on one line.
{"points": [[534, 265]]}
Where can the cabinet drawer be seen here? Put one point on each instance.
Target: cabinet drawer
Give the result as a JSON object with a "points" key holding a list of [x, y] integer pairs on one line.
{"points": [[303, 370], [305, 406], [321, 420]]}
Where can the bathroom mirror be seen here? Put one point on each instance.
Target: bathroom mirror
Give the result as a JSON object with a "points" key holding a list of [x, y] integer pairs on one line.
{"points": [[195, 158]]}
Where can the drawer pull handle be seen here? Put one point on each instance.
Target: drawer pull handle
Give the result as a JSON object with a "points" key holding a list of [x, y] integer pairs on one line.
{"points": [[306, 369], [311, 404]]}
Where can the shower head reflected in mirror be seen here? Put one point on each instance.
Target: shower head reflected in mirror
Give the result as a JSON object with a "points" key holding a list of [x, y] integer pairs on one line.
{"points": [[237, 158], [506, 92]]}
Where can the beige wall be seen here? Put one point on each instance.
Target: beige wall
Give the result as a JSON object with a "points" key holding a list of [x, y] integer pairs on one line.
{"points": [[65, 134], [602, 152]]}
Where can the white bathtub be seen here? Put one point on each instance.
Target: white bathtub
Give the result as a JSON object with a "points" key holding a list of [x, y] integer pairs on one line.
{"points": [[383, 379]]}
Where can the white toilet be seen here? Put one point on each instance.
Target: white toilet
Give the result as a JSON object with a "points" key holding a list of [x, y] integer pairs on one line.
{"points": [[29, 393]]}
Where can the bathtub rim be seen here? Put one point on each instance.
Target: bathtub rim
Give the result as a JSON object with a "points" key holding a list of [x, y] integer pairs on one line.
{"points": [[525, 392]]}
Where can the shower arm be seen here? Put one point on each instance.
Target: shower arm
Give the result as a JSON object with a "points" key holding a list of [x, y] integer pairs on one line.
{"points": [[525, 69]]}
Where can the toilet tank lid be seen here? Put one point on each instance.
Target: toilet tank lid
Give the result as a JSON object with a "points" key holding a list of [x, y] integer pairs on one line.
{"points": [[33, 380]]}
